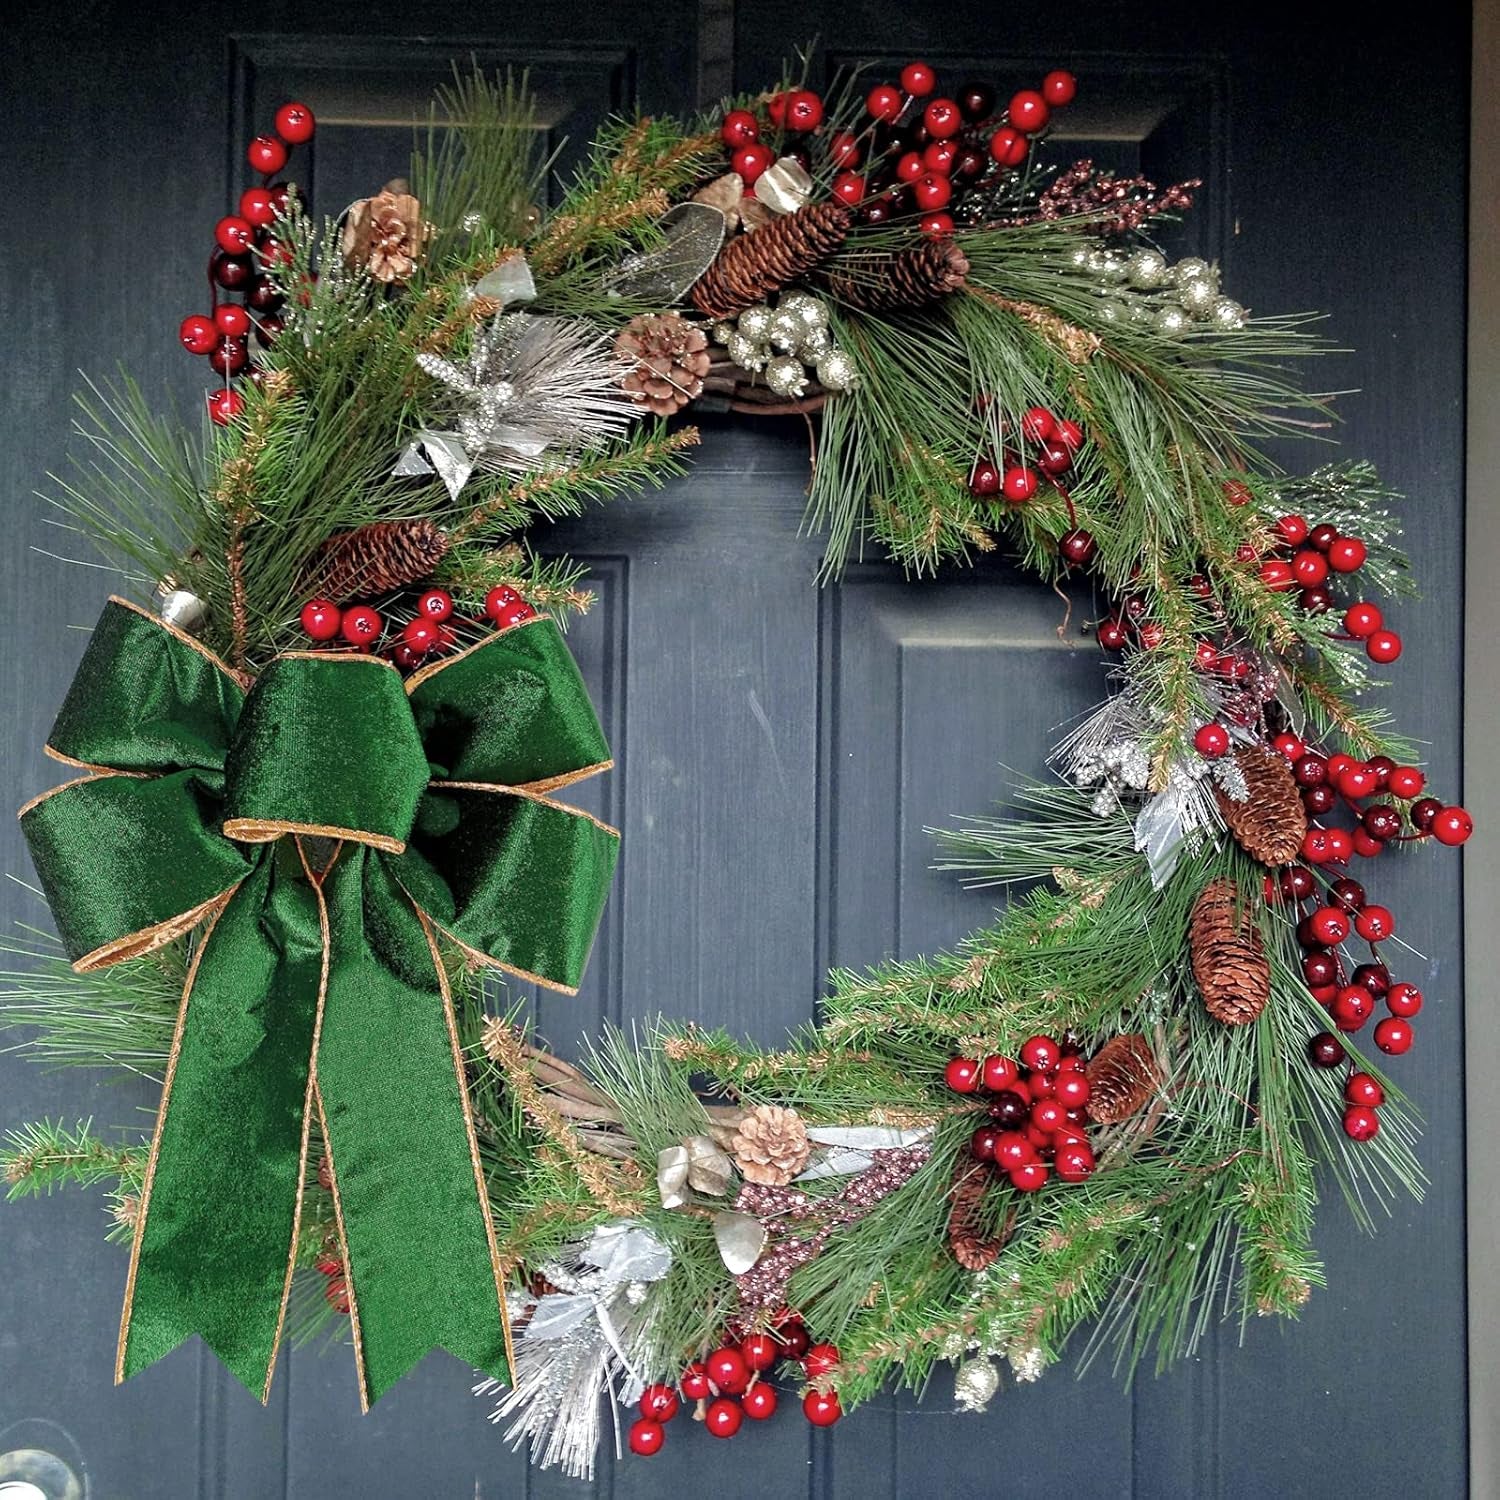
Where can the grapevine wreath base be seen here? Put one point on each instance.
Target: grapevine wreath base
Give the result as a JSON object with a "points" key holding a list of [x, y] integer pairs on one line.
{"points": [[323, 760]]}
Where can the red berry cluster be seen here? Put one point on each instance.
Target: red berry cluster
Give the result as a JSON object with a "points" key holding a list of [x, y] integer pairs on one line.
{"points": [[914, 154], [732, 1383], [1015, 478], [1327, 918], [431, 631], [1309, 558], [1037, 1112], [244, 248]]}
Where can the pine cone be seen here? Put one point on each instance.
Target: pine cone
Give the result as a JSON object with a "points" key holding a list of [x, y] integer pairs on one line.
{"points": [[972, 1247], [669, 358], [386, 234], [770, 1145], [1122, 1076], [1229, 960], [1270, 823], [376, 559], [896, 280], [752, 266]]}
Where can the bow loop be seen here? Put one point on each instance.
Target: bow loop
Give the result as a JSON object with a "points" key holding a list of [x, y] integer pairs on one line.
{"points": [[326, 746]]}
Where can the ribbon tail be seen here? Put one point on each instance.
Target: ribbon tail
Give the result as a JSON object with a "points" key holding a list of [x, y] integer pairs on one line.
{"points": [[220, 1206], [423, 1268]]}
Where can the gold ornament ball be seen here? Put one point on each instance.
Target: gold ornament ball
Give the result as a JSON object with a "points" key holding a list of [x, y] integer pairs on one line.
{"points": [[1227, 313], [1146, 269], [755, 323], [746, 352], [786, 376], [836, 371]]}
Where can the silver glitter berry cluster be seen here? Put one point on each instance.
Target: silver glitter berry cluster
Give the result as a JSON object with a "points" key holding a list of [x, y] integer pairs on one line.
{"points": [[786, 341], [1144, 289]]}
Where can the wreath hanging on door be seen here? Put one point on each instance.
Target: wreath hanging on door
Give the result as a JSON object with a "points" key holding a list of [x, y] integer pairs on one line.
{"points": [[321, 804]]}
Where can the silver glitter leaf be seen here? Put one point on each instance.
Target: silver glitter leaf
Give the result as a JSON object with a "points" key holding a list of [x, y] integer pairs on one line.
{"points": [[740, 1238], [1160, 834], [692, 234]]}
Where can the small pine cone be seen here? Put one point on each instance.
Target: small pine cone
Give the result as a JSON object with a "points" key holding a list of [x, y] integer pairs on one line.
{"points": [[376, 559], [770, 1145], [668, 359], [752, 266], [1122, 1076], [325, 1173], [1270, 823], [972, 1247], [1229, 960], [897, 280]]}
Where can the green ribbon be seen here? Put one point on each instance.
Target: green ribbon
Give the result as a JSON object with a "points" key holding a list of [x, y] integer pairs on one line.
{"points": [[321, 832]]}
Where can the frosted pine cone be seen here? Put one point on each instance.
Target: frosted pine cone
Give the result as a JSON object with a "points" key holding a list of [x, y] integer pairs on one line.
{"points": [[669, 358], [386, 234], [770, 1145]]}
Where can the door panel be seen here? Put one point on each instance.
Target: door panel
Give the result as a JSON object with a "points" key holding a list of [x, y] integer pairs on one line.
{"points": [[779, 747]]}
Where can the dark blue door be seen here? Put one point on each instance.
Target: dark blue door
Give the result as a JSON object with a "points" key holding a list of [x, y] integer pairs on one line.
{"points": [[779, 747]]}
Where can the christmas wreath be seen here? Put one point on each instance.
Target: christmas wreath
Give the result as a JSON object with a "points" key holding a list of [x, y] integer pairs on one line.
{"points": [[318, 816]]}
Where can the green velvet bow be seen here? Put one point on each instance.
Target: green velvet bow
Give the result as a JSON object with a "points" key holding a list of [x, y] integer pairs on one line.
{"points": [[320, 832]]}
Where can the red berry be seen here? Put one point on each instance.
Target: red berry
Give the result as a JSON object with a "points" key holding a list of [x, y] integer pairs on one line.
{"points": [[918, 79], [760, 1402], [1403, 1000], [1059, 87], [931, 191], [1339, 845], [694, 1382], [849, 187], [935, 226], [822, 1408], [804, 110], [419, 635], [740, 128], [506, 607], [1375, 924], [1375, 977], [984, 477], [1008, 146], [1362, 619], [229, 356], [1328, 924], [1452, 826], [266, 155], [360, 625], [659, 1402], [1361, 1088], [1319, 968], [1325, 1050], [794, 1341], [1424, 813], [1349, 895], [1310, 770], [759, 1351], [1237, 492], [962, 1075], [1054, 459], [1292, 530], [1352, 1007], [231, 320], [723, 1417], [435, 604], [821, 1359], [197, 334], [321, 619], [295, 123], [235, 235], [776, 108], [1038, 424], [1277, 574], [1019, 485], [1393, 1035], [942, 118], [1000, 1073], [1310, 567], [1296, 882], [1030, 1177], [1211, 741], [910, 166], [884, 102], [1077, 547], [256, 207], [751, 161], [939, 157], [726, 1368], [336, 1290], [1361, 1124], [843, 150], [329, 1265], [646, 1437], [1111, 634], [1384, 646], [1346, 554], [1406, 782], [1013, 1150], [1290, 746], [1047, 1115], [1074, 1162], [1028, 111], [1072, 1089], [1069, 434], [1040, 1053], [1358, 782], [224, 406]]}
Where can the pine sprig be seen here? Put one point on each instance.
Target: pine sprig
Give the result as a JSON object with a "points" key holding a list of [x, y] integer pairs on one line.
{"points": [[39, 1158]]}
